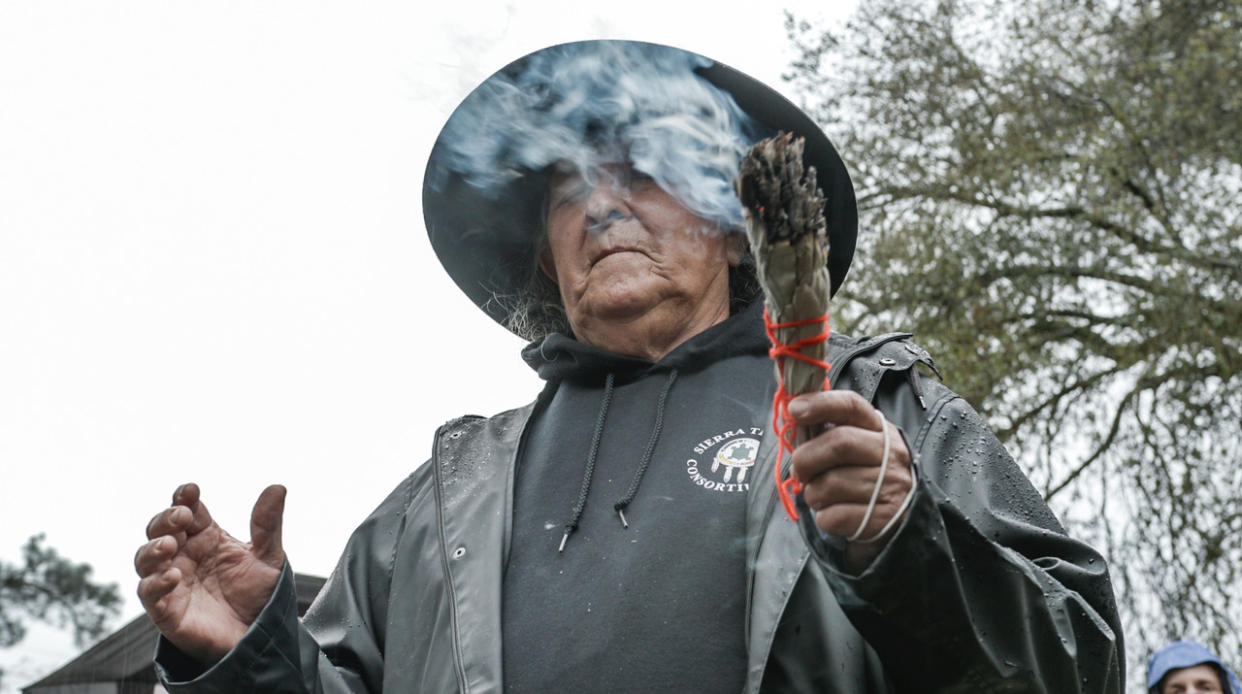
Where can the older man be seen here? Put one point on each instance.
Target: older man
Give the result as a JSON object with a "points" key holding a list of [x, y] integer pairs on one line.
{"points": [[621, 533]]}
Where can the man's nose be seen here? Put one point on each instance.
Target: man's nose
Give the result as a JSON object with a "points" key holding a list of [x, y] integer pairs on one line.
{"points": [[605, 205]]}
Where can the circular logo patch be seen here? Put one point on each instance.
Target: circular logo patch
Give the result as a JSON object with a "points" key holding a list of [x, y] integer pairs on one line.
{"points": [[722, 462]]}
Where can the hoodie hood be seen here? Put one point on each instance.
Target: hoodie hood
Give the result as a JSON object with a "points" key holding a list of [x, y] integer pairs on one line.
{"points": [[559, 357], [1184, 654]]}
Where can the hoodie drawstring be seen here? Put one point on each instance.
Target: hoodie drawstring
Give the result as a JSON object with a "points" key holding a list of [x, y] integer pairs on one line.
{"points": [[572, 525], [598, 434], [619, 507]]}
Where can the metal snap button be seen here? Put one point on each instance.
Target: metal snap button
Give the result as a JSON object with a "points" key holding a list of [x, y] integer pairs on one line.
{"points": [[887, 362]]}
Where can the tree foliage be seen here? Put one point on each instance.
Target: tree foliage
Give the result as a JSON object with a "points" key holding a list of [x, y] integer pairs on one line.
{"points": [[1051, 198], [53, 589]]}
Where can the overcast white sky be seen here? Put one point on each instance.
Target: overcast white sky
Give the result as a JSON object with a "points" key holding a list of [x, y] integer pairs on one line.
{"points": [[213, 264]]}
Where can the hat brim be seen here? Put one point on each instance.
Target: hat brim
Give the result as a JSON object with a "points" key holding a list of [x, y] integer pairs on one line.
{"points": [[485, 239]]}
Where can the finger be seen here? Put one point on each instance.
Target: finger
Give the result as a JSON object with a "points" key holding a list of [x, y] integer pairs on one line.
{"points": [[170, 521], [265, 525], [188, 495], [153, 588], [856, 485], [155, 555], [843, 520], [840, 407], [845, 446], [843, 485]]}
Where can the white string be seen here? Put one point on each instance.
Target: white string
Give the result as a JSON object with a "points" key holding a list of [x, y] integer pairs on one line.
{"points": [[905, 503], [875, 493]]}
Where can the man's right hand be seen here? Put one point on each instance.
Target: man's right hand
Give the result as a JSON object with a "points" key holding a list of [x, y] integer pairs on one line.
{"points": [[201, 586]]}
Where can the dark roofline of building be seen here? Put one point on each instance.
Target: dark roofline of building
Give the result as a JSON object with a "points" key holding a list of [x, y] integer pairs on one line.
{"points": [[125, 654]]}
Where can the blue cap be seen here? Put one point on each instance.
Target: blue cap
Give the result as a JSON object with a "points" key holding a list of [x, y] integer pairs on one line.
{"points": [[1184, 654]]}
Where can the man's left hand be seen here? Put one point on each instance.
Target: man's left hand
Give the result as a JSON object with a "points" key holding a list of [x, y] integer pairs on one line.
{"points": [[838, 469]]}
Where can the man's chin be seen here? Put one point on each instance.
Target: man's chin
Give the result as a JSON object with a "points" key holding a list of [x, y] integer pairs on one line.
{"points": [[618, 303], [618, 309]]}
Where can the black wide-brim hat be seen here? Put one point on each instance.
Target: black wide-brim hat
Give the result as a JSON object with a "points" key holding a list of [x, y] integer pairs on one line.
{"points": [[485, 237]]}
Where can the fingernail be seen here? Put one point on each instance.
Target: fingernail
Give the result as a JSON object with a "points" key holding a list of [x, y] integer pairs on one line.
{"points": [[797, 409]]}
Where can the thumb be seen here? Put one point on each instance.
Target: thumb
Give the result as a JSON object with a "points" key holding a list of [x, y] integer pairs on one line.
{"points": [[265, 524]]}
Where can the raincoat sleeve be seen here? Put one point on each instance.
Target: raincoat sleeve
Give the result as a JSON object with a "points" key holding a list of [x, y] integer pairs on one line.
{"points": [[338, 647], [980, 589]]}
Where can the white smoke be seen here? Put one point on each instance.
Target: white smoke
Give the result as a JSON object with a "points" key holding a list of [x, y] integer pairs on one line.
{"points": [[582, 105]]}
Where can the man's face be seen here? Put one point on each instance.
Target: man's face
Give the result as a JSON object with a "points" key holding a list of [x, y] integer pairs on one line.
{"points": [[620, 247], [1198, 679]]}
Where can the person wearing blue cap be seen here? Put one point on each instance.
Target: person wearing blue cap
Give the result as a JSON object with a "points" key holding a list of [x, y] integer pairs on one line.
{"points": [[1185, 667]]}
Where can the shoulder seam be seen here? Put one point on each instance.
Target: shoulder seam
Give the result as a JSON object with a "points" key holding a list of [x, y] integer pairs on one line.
{"points": [[932, 413]]}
